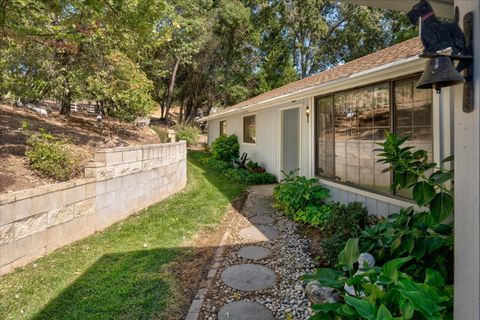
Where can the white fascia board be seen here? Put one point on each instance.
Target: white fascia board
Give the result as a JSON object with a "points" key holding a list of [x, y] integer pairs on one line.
{"points": [[384, 72]]}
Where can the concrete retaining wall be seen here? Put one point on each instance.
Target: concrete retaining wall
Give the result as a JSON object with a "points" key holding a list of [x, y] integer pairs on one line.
{"points": [[120, 182]]}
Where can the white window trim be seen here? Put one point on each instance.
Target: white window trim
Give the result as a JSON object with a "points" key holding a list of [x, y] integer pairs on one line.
{"points": [[256, 131]]}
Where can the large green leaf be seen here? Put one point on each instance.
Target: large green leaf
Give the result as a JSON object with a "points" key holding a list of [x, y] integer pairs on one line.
{"points": [[391, 269], [427, 307], [441, 206], [364, 308], [423, 193], [327, 277], [407, 309], [349, 254], [384, 313], [434, 278]]}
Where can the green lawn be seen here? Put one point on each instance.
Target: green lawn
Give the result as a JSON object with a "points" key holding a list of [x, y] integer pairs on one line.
{"points": [[122, 272]]}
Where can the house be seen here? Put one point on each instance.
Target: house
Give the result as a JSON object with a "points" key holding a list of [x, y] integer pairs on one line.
{"points": [[454, 131], [327, 125]]}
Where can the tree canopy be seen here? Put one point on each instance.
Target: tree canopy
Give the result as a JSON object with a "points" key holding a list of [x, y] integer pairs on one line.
{"points": [[130, 56]]}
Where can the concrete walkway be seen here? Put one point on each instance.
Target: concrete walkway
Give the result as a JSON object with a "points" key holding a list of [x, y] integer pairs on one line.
{"points": [[256, 276]]}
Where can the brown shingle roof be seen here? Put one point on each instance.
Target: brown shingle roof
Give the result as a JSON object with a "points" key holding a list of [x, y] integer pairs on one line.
{"points": [[391, 54]]}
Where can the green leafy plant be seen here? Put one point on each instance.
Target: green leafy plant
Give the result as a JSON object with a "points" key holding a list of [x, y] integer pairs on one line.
{"points": [[187, 132], [226, 148], [226, 168], [412, 170], [296, 193], [414, 249], [50, 155], [345, 221], [385, 292], [254, 167]]}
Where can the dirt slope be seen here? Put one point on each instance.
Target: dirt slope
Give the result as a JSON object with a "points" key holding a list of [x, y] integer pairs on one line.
{"points": [[81, 129]]}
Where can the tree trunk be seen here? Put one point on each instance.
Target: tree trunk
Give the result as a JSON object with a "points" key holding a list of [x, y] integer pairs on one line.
{"points": [[66, 103], [168, 99]]}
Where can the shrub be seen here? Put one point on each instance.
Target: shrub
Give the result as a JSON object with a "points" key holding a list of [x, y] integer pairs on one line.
{"points": [[238, 175], [344, 222], [226, 148], [296, 193], [415, 250], [161, 133], [51, 156], [187, 132]]}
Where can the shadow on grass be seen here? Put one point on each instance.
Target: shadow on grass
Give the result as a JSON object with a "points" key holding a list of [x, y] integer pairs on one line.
{"points": [[128, 285], [140, 284]]}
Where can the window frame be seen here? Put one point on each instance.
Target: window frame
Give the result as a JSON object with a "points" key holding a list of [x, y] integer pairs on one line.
{"points": [[392, 127], [243, 129]]}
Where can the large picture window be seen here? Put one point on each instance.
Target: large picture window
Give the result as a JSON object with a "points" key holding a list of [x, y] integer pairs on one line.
{"points": [[249, 129], [350, 123]]}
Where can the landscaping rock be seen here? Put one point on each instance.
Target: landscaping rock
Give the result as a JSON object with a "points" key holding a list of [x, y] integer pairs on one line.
{"points": [[318, 294], [249, 277], [254, 252], [244, 310]]}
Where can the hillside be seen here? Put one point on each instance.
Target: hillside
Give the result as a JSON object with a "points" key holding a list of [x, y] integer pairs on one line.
{"points": [[81, 130]]}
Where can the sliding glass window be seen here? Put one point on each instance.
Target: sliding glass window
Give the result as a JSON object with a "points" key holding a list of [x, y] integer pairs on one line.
{"points": [[350, 123]]}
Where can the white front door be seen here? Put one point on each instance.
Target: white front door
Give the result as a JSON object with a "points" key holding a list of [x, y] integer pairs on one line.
{"points": [[290, 140]]}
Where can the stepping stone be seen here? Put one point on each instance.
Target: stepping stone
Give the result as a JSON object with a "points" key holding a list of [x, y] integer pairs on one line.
{"points": [[260, 209], [254, 252], [262, 219], [258, 233], [249, 277], [244, 310]]}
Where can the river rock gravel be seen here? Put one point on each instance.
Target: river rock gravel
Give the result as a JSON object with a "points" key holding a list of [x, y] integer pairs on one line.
{"points": [[290, 260]]}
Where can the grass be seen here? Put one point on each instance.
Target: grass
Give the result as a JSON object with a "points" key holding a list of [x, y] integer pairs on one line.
{"points": [[123, 271]]}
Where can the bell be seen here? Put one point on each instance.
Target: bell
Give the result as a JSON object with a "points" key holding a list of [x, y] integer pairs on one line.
{"points": [[439, 72]]}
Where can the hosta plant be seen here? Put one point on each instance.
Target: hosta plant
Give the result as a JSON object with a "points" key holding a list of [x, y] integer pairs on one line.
{"points": [[386, 292]]}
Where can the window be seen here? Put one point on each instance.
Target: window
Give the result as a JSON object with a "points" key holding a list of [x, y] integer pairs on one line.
{"points": [[223, 127], [349, 124], [249, 129]]}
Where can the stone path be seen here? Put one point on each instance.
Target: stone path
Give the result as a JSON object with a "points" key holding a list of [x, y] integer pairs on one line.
{"points": [[258, 275]]}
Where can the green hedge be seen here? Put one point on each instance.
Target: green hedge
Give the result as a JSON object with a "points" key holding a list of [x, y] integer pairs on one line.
{"points": [[238, 175]]}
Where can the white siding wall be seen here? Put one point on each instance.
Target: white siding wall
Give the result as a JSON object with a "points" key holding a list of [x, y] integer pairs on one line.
{"points": [[267, 151]]}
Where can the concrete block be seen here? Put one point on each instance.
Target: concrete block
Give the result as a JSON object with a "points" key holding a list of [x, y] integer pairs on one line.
{"points": [[90, 190], [40, 204], [113, 184], [55, 200], [84, 207], [6, 233], [104, 173], [75, 194], [75, 226], [101, 156], [113, 158], [54, 236], [105, 200], [38, 241], [6, 198], [28, 226], [7, 214], [22, 208], [129, 156], [100, 187], [14, 250]]}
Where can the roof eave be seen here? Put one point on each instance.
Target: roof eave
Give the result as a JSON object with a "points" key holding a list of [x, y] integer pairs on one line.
{"points": [[413, 61]]}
